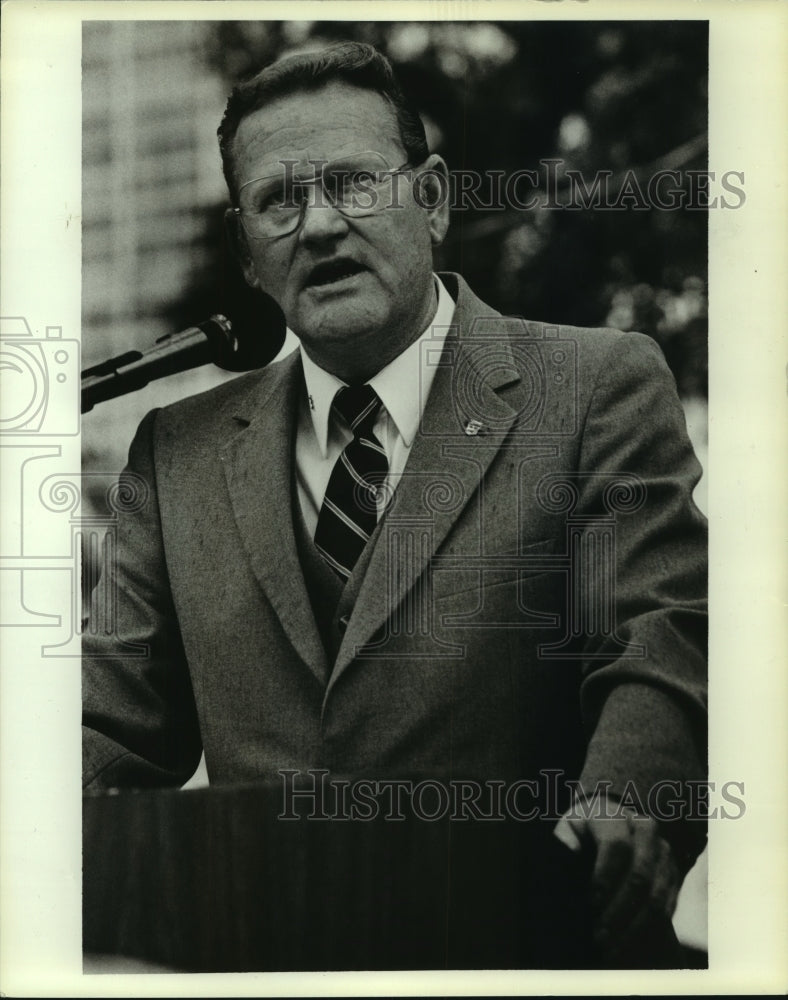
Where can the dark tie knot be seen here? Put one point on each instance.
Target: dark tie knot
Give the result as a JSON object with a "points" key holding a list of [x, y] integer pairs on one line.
{"points": [[359, 406]]}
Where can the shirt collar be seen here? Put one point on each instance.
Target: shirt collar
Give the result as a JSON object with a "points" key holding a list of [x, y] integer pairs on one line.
{"points": [[321, 387], [403, 385]]}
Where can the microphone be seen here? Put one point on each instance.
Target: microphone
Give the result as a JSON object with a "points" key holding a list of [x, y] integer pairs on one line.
{"points": [[237, 346]]}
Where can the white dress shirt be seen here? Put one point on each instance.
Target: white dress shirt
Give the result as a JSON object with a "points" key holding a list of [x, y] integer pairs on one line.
{"points": [[403, 386]]}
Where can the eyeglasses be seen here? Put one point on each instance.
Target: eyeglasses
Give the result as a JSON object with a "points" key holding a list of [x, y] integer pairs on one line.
{"points": [[357, 186]]}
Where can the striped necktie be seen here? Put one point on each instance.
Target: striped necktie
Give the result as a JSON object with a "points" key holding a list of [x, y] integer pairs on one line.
{"points": [[349, 512]]}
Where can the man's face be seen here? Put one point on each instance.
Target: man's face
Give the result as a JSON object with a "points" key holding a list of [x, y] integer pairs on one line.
{"points": [[358, 290]]}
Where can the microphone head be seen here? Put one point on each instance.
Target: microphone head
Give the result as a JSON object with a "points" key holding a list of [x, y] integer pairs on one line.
{"points": [[253, 331]]}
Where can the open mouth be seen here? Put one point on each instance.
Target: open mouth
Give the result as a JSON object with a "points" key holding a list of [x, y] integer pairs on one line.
{"points": [[333, 271]]}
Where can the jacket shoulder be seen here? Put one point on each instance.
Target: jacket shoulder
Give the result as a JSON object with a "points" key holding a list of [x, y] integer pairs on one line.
{"points": [[600, 340], [596, 353], [238, 397], [478, 321]]}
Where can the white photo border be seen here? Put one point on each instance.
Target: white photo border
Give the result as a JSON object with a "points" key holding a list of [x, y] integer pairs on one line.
{"points": [[40, 837]]}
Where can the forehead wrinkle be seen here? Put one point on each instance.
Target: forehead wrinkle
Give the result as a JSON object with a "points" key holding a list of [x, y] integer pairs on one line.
{"points": [[293, 143], [274, 139]]}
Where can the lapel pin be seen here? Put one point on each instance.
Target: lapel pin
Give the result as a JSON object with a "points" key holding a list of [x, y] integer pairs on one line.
{"points": [[473, 427]]}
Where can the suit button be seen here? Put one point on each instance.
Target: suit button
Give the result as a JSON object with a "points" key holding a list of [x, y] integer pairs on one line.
{"points": [[342, 624]]}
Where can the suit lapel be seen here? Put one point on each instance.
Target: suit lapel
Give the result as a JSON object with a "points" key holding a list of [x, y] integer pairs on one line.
{"points": [[444, 468], [258, 466]]}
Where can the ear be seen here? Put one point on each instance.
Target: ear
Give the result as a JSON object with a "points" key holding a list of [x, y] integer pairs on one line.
{"points": [[432, 192], [239, 247]]}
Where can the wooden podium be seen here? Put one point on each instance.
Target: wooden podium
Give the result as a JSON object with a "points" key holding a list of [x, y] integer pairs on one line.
{"points": [[215, 880]]}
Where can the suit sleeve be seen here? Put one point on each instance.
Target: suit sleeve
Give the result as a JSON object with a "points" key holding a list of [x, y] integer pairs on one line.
{"points": [[140, 725], [643, 693]]}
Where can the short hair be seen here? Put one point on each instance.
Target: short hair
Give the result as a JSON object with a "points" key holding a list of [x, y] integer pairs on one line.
{"points": [[352, 62]]}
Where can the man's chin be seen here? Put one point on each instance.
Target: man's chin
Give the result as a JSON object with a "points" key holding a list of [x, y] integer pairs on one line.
{"points": [[350, 317]]}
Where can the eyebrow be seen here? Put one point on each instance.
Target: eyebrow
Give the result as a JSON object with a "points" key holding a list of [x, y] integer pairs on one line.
{"points": [[296, 170]]}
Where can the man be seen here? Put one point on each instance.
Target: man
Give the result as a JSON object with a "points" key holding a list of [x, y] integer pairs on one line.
{"points": [[432, 540]]}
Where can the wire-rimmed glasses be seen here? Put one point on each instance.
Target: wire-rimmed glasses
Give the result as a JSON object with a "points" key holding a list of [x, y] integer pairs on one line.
{"points": [[357, 185]]}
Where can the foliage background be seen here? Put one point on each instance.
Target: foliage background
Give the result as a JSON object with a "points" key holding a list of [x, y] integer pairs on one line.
{"points": [[598, 95]]}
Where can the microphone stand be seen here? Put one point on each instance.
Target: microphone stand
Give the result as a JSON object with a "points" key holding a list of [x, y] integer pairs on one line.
{"points": [[211, 341]]}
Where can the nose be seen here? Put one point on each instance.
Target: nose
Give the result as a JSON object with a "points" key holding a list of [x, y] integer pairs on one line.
{"points": [[321, 220]]}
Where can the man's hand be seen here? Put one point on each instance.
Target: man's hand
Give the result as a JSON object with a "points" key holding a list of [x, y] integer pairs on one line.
{"points": [[635, 880]]}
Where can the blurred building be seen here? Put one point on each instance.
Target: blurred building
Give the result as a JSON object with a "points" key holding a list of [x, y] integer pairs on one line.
{"points": [[151, 166], [150, 162]]}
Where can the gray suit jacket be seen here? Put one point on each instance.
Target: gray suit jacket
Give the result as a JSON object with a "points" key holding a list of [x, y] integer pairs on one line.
{"points": [[533, 600]]}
